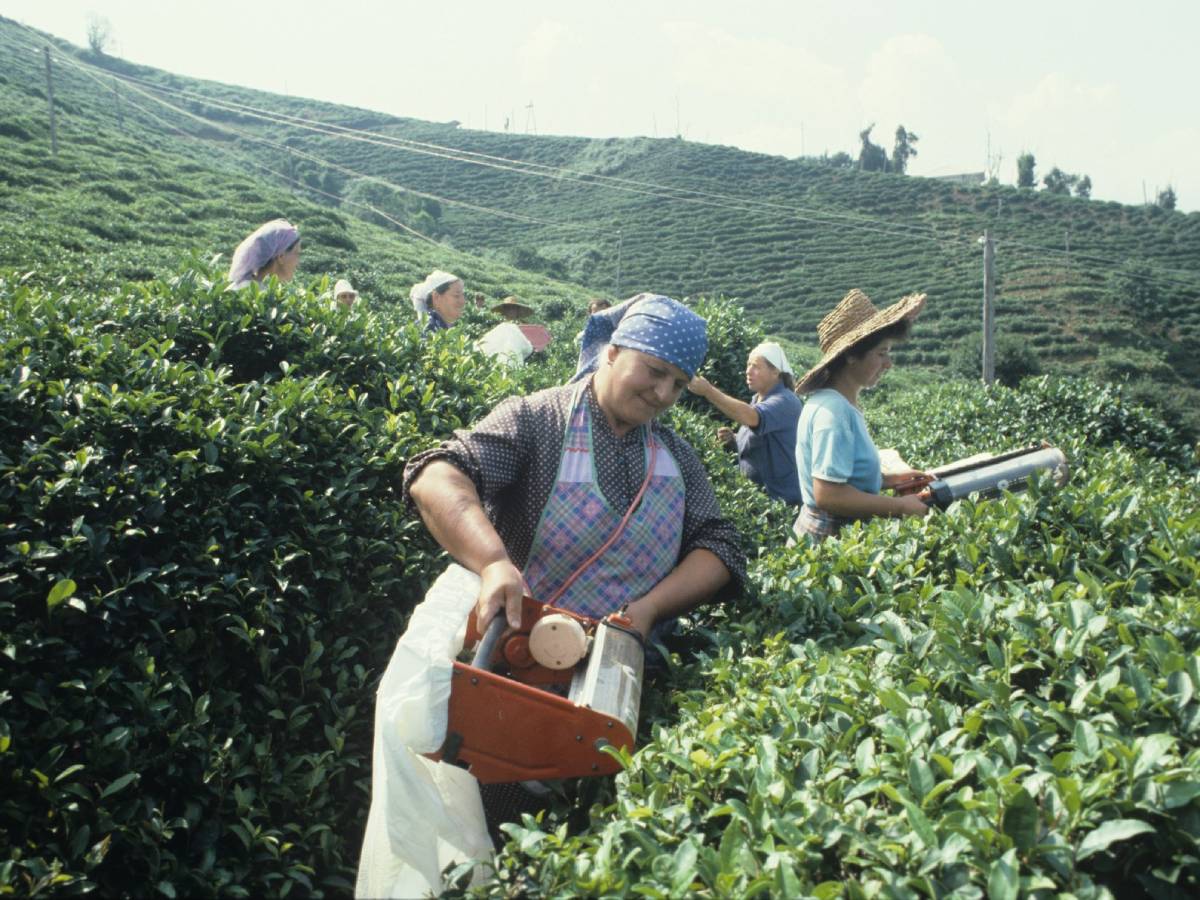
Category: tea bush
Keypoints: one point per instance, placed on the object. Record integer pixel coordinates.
(206, 563)
(998, 701)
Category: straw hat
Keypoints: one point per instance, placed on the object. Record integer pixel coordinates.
(344, 287)
(852, 320)
(514, 307)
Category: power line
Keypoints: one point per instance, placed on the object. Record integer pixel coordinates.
(334, 166)
(735, 204)
(541, 170)
(281, 175)
(519, 167)
(527, 167)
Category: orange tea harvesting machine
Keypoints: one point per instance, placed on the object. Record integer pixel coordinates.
(544, 700)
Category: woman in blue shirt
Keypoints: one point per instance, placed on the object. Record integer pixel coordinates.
(838, 464)
(766, 440)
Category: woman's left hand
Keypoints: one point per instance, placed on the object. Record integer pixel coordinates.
(893, 478)
(700, 385)
(642, 617)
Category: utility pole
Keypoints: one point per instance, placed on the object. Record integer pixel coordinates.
(117, 98)
(989, 298)
(50, 96)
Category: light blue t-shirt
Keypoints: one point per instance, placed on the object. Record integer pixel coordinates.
(832, 444)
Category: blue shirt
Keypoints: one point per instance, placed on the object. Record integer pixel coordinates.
(832, 444)
(767, 452)
(435, 323)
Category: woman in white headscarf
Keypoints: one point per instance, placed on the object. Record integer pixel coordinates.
(272, 249)
(766, 440)
(439, 300)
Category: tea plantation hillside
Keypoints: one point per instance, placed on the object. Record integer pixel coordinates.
(1086, 286)
(124, 202)
(205, 562)
(206, 565)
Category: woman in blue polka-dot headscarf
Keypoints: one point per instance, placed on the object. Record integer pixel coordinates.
(538, 466)
(578, 497)
(651, 323)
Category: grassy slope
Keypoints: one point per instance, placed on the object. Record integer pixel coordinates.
(828, 229)
(130, 204)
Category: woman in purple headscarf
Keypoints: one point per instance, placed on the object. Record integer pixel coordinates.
(273, 249)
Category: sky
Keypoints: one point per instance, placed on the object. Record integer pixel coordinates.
(1102, 90)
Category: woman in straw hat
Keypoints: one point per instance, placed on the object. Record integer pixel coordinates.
(512, 310)
(840, 475)
(766, 440)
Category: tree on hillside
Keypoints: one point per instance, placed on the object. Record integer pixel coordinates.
(1136, 289)
(872, 157)
(903, 149)
(99, 33)
(1025, 168)
(1083, 187)
(1059, 182)
(839, 160)
(415, 212)
(1014, 358)
(1166, 198)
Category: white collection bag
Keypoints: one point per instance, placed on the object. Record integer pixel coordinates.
(506, 343)
(424, 815)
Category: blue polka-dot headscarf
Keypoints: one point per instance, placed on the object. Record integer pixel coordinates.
(652, 323)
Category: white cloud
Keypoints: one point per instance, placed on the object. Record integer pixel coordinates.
(543, 52)
(908, 75)
(1056, 99)
(755, 92)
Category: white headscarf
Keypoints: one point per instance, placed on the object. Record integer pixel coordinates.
(420, 293)
(772, 353)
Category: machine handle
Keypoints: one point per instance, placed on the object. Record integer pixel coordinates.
(487, 644)
(912, 485)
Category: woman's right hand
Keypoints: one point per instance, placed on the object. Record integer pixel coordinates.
(501, 588)
(700, 386)
(911, 505)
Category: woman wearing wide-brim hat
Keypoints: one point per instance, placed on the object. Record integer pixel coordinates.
(838, 463)
(513, 309)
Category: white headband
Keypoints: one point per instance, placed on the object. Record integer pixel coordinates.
(772, 353)
(420, 293)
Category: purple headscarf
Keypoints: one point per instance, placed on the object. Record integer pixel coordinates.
(266, 243)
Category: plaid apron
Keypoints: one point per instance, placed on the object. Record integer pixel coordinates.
(577, 520)
(816, 524)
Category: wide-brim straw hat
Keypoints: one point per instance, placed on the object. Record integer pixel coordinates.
(513, 305)
(853, 319)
